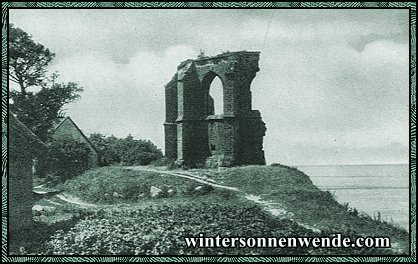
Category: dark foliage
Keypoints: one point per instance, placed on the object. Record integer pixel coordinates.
(161, 229)
(38, 111)
(28, 60)
(127, 151)
(27, 68)
(66, 159)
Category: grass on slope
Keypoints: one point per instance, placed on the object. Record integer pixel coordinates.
(110, 185)
(131, 223)
(159, 226)
(295, 191)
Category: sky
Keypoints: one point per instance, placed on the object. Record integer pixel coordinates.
(332, 86)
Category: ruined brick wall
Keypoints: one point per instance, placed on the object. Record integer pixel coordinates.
(235, 135)
(192, 136)
(170, 127)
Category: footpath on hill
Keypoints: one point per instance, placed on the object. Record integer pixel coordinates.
(285, 193)
(273, 207)
(315, 218)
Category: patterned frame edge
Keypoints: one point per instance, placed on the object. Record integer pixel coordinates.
(409, 5)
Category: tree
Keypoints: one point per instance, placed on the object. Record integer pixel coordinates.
(107, 149)
(28, 60)
(39, 111)
(28, 68)
(127, 151)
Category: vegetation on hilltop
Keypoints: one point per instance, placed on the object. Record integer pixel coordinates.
(160, 229)
(132, 223)
(112, 185)
(126, 151)
(296, 193)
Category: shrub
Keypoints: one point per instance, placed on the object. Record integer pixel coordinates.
(65, 159)
(106, 148)
(160, 230)
(127, 151)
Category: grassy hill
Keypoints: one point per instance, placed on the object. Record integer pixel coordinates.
(127, 220)
(295, 192)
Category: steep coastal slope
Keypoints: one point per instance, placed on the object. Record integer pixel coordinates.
(145, 210)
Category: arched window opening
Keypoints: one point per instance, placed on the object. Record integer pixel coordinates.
(217, 94)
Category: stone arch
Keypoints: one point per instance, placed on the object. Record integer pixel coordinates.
(193, 134)
(213, 87)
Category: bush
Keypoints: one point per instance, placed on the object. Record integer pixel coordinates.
(160, 230)
(127, 151)
(65, 159)
(106, 148)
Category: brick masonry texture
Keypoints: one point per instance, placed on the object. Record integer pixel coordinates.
(193, 134)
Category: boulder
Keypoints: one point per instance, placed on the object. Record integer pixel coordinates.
(202, 189)
(37, 208)
(171, 192)
(155, 192)
(43, 208)
(198, 188)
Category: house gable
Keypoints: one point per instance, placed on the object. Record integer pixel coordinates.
(68, 130)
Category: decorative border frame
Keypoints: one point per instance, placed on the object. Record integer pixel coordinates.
(411, 6)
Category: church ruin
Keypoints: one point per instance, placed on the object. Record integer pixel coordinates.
(193, 133)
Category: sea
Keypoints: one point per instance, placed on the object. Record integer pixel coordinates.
(372, 189)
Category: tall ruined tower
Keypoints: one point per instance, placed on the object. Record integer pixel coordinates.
(193, 134)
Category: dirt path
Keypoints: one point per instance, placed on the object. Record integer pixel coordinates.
(274, 208)
(74, 200)
(60, 199)
(186, 175)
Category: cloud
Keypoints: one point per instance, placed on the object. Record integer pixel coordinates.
(323, 94)
(121, 98)
(329, 81)
(148, 68)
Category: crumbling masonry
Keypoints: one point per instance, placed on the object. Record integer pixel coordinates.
(193, 134)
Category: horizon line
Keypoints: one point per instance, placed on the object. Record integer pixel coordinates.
(357, 164)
